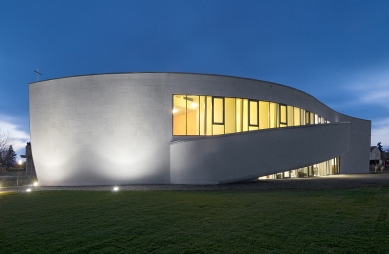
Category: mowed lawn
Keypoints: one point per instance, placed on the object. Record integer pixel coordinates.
(330, 221)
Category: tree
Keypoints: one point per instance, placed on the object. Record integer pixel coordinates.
(5, 139)
(379, 146)
(10, 158)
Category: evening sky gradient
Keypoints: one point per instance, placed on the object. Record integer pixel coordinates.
(337, 51)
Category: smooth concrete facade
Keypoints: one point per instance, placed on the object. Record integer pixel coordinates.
(240, 156)
(113, 129)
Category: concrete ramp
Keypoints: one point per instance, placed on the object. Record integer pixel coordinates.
(247, 155)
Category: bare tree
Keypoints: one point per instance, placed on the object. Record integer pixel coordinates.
(5, 140)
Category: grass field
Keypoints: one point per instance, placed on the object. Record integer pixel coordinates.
(335, 221)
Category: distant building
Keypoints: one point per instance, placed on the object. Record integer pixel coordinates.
(29, 164)
(375, 154)
(376, 157)
(181, 128)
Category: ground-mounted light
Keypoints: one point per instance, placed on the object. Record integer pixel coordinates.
(35, 184)
(28, 190)
(115, 188)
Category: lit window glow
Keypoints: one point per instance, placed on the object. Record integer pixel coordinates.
(215, 115)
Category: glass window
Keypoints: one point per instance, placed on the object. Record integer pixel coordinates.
(217, 129)
(212, 115)
(230, 115)
(192, 115)
(311, 118)
(263, 114)
(283, 115)
(202, 113)
(290, 116)
(307, 117)
(297, 118)
(245, 115)
(239, 112)
(273, 115)
(253, 113)
(302, 115)
(179, 114)
(218, 110)
(208, 115)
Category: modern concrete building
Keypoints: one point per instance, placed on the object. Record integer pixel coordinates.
(181, 128)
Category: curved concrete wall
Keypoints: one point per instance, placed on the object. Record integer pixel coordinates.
(247, 155)
(117, 128)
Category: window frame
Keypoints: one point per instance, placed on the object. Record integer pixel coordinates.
(249, 113)
(213, 110)
(286, 112)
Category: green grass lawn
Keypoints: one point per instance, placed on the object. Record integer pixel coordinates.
(335, 221)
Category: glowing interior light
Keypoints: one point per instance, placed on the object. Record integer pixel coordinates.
(28, 190)
(35, 184)
(174, 111)
(194, 105)
(115, 188)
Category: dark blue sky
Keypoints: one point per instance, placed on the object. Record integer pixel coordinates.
(338, 51)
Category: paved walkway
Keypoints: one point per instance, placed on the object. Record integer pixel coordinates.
(314, 183)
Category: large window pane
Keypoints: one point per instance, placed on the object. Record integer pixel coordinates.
(179, 114)
(230, 115)
(312, 118)
(273, 115)
(290, 116)
(239, 113)
(307, 117)
(192, 115)
(218, 129)
(253, 113)
(208, 115)
(263, 114)
(296, 115)
(202, 115)
(245, 115)
(218, 110)
(283, 115)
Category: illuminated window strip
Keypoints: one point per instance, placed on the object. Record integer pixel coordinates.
(307, 117)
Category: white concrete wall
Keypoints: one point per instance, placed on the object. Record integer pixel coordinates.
(117, 128)
(247, 155)
(100, 129)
